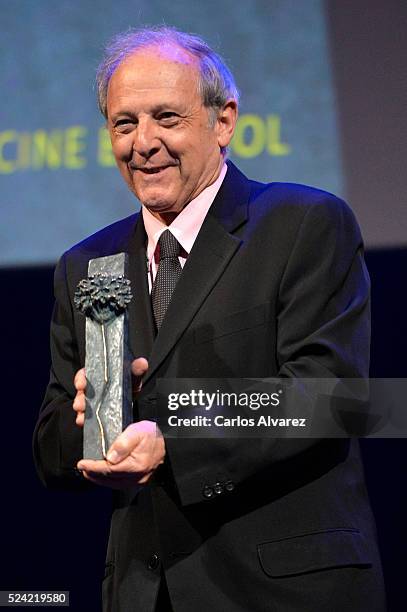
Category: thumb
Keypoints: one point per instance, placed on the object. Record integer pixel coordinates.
(129, 439)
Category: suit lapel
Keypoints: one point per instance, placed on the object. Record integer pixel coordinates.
(212, 252)
(141, 322)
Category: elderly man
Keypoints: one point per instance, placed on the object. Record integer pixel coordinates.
(267, 280)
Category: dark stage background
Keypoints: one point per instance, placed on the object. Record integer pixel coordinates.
(56, 540)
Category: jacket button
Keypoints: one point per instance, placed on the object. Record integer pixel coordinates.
(229, 486)
(218, 488)
(154, 562)
(207, 492)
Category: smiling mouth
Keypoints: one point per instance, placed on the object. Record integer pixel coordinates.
(150, 170)
(153, 170)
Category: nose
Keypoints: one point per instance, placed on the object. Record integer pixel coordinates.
(145, 140)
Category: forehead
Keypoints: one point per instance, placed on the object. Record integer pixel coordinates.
(162, 69)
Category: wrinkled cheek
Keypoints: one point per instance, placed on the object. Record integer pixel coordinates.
(124, 171)
(126, 175)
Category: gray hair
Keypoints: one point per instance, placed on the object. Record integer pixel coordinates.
(216, 84)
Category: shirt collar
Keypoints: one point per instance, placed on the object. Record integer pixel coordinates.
(187, 224)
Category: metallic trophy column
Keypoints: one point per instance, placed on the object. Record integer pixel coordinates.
(103, 298)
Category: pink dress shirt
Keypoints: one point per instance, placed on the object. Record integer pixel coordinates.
(185, 226)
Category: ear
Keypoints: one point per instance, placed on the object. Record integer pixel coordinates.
(226, 122)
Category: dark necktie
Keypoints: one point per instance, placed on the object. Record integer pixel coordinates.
(168, 272)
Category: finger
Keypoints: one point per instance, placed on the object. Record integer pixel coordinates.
(80, 380)
(139, 367)
(101, 469)
(79, 403)
(80, 419)
(97, 467)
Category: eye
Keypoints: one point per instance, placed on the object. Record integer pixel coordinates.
(168, 117)
(123, 125)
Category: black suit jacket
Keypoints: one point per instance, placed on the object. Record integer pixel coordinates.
(275, 285)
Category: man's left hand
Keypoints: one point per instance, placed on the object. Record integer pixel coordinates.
(131, 460)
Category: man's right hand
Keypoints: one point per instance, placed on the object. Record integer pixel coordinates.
(138, 368)
(79, 403)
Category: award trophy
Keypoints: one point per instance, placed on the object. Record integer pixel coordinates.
(103, 298)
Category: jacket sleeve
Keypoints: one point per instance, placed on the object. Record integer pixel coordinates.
(57, 440)
(323, 331)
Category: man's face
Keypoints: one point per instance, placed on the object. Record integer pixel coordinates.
(162, 141)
